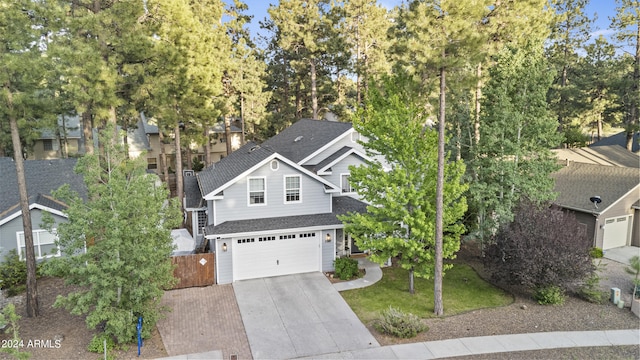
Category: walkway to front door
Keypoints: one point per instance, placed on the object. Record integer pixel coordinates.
(298, 315)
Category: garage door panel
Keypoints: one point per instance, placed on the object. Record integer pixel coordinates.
(616, 232)
(275, 256)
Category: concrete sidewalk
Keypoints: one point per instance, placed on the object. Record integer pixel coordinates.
(493, 344)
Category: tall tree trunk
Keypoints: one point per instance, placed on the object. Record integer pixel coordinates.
(179, 184)
(207, 147)
(33, 309)
(437, 279)
(633, 111)
(87, 130)
(412, 289)
(314, 89)
(242, 119)
(478, 95)
(164, 166)
(227, 134)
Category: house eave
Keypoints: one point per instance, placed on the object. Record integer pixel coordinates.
(276, 231)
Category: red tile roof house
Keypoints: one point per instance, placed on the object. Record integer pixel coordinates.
(271, 209)
(613, 220)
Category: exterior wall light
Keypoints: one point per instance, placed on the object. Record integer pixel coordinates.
(224, 247)
(328, 238)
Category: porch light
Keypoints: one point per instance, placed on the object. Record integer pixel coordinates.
(224, 247)
(328, 238)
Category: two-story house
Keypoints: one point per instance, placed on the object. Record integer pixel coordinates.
(271, 209)
(42, 177)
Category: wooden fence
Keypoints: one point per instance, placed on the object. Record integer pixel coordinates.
(194, 270)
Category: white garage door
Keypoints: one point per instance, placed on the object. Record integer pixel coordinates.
(274, 255)
(615, 232)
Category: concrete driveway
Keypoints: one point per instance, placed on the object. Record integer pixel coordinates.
(298, 315)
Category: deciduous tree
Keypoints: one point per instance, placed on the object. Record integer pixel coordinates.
(400, 222)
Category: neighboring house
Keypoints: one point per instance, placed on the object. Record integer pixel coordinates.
(218, 146)
(612, 155)
(42, 177)
(68, 141)
(271, 209)
(621, 140)
(615, 220)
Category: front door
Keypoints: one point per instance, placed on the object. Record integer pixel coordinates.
(354, 247)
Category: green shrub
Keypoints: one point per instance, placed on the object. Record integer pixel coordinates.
(591, 292)
(13, 274)
(96, 345)
(346, 268)
(596, 253)
(549, 295)
(400, 324)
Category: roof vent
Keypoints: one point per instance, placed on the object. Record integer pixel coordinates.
(298, 138)
(253, 148)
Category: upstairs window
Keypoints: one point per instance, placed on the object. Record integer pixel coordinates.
(346, 186)
(257, 191)
(292, 189)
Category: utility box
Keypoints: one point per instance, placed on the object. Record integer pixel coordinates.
(615, 295)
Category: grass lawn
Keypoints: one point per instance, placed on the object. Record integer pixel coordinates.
(463, 290)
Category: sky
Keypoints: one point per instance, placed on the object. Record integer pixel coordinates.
(603, 8)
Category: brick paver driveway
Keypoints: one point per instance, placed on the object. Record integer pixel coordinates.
(203, 319)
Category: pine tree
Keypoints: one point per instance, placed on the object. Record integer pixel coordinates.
(117, 244)
(627, 25)
(400, 222)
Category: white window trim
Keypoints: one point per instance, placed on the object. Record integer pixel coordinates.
(355, 136)
(277, 165)
(285, 189)
(264, 179)
(36, 244)
(350, 187)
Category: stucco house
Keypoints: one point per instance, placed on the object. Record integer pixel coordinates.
(42, 177)
(271, 209)
(606, 199)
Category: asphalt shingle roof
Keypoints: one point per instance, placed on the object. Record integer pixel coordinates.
(225, 170)
(341, 205)
(192, 192)
(612, 155)
(42, 176)
(311, 135)
(578, 182)
(621, 140)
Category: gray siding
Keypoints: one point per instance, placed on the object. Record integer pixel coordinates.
(341, 168)
(8, 237)
(346, 141)
(328, 250)
(224, 261)
(235, 206)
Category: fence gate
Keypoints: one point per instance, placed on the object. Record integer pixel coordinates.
(194, 270)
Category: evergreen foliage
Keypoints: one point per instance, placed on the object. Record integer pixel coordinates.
(117, 245)
(400, 183)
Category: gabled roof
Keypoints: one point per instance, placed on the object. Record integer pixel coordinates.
(341, 206)
(336, 157)
(306, 137)
(42, 176)
(232, 166)
(71, 126)
(578, 182)
(612, 155)
(240, 163)
(621, 140)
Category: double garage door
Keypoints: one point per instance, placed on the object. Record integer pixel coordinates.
(274, 255)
